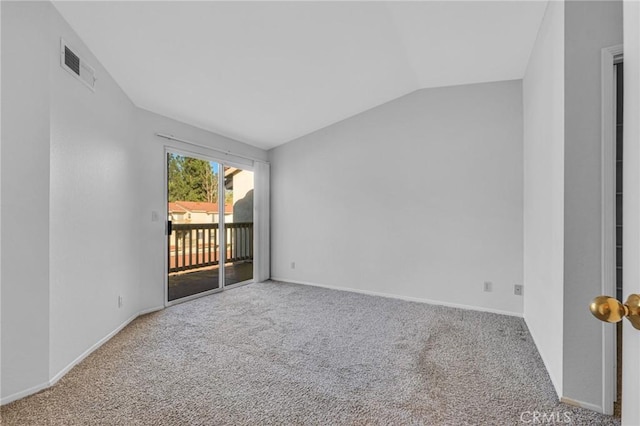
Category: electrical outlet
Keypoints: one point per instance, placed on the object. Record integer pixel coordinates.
(119, 301)
(518, 289)
(488, 286)
(293, 265)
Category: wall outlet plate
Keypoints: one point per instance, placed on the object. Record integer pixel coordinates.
(518, 289)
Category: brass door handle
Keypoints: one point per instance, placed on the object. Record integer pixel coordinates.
(608, 309)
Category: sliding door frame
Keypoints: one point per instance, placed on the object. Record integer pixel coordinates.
(201, 153)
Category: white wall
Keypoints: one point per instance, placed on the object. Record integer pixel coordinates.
(562, 192)
(25, 197)
(589, 26)
(84, 171)
(94, 238)
(420, 197)
(543, 99)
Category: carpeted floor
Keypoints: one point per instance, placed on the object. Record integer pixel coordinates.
(275, 353)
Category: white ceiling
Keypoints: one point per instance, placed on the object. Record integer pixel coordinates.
(268, 72)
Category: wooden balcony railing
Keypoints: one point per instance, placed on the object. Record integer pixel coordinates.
(196, 245)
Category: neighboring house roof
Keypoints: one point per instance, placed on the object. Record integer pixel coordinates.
(176, 208)
(197, 207)
(229, 173)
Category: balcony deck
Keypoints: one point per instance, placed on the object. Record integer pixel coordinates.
(191, 282)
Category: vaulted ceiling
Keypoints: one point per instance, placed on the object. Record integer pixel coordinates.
(268, 72)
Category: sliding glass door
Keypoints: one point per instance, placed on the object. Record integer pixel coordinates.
(238, 187)
(209, 228)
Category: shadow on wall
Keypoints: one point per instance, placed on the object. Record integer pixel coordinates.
(243, 208)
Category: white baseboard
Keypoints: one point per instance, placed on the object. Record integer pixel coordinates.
(401, 297)
(581, 404)
(150, 310)
(101, 342)
(19, 395)
(24, 393)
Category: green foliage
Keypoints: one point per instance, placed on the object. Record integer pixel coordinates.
(191, 179)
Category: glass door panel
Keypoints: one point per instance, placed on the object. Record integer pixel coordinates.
(238, 225)
(194, 254)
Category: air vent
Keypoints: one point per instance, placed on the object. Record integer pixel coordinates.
(71, 60)
(76, 66)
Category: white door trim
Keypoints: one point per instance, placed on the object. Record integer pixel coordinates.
(631, 208)
(608, 179)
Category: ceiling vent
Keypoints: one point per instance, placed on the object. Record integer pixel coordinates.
(76, 66)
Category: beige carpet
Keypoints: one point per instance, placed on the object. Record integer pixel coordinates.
(285, 354)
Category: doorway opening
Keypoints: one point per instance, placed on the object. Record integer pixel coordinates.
(612, 220)
(618, 77)
(209, 227)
